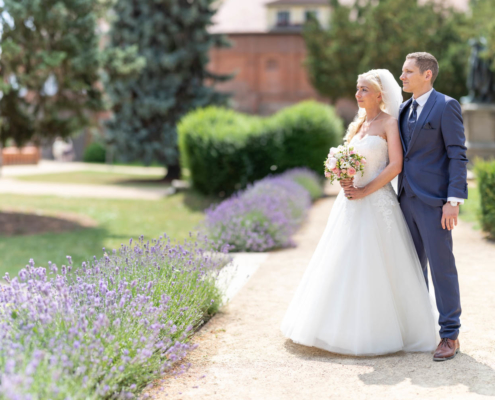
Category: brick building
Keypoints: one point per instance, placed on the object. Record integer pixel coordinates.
(268, 52)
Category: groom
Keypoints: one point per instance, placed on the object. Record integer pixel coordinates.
(431, 186)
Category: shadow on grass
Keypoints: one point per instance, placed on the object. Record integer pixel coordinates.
(417, 368)
(17, 223)
(196, 201)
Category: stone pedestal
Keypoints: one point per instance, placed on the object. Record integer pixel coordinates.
(479, 124)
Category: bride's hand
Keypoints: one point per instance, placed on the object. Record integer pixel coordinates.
(346, 183)
(355, 193)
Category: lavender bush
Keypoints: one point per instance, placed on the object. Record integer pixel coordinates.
(308, 179)
(106, 329)
(262, 217)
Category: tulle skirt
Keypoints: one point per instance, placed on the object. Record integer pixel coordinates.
(363, 292)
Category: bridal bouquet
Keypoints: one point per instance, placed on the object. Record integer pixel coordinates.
(343, 162)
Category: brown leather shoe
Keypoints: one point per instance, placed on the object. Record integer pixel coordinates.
(446, 350)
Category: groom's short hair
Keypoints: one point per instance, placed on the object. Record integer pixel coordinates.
(425, 61)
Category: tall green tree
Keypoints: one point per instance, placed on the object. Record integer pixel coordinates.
(49, 67)
(171, 38)
(379, 34)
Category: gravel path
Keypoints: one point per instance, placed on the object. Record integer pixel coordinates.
(12, 186)
(53, 167)
(243, 355)
(9, 185)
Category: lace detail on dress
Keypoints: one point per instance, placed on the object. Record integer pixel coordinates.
(375, 150)
(385, 199)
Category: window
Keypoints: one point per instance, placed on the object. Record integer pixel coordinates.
(308, 13)
(283, 18)
(272, 64)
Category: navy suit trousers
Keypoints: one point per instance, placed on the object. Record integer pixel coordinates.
(434, 244)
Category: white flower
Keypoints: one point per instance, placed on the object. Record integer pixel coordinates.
(345, 165)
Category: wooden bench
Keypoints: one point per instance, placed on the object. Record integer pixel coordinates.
(24, 155)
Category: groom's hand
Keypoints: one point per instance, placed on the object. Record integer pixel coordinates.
(449, 217)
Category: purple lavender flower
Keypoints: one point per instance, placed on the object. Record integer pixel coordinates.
(91, 328)
(262, 217)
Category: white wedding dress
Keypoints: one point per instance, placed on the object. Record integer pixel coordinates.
(363, 292)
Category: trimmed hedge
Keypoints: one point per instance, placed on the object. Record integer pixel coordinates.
(485, 177)
(225, 150)
(95, 153)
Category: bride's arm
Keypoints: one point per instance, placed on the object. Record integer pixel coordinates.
(391, 171)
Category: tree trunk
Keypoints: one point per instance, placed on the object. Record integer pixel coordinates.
(173, 172)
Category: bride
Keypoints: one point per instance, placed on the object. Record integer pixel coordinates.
(364, 292)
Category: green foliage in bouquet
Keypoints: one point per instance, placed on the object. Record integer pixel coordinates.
(225, 150)
(485, 178)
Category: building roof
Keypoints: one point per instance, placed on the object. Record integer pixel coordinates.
(240, 16)
(250, 16)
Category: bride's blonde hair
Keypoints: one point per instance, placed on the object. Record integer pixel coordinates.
(373, 78)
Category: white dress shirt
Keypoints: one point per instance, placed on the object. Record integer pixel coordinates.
(421, 103)
(421, 100)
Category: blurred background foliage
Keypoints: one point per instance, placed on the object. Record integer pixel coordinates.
(379, 34)
(49, 67)
(171, 44)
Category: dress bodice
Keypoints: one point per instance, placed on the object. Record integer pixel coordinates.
(375, 150)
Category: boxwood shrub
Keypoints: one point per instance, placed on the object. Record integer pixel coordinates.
(485, 177)
(225, 150)
(95, 153)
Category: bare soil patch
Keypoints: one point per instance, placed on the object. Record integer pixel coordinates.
(15, 223)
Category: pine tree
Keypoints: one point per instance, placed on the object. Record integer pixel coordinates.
(48, 67)
(171, 38)
(379, 34)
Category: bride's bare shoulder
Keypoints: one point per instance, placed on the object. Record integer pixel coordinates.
(388, 119)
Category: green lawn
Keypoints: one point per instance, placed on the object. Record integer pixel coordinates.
(95, 178)
(470, 209)
(118, 220)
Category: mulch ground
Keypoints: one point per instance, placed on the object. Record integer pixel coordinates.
(14, 223)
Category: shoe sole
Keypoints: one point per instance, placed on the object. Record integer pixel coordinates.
(446, 358)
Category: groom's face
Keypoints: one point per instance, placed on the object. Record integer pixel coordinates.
(412, 78)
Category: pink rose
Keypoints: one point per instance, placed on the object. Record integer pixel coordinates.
(336, 171)
(352, 152)
(343, 171)
(328, 174)
(358, 163)
(363, 161)
(351, 171)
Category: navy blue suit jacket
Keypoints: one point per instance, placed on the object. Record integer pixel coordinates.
(435, 162)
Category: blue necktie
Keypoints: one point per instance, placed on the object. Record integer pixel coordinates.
(411, 121)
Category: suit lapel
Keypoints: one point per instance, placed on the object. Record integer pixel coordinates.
(401, 116)
(422, 118)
